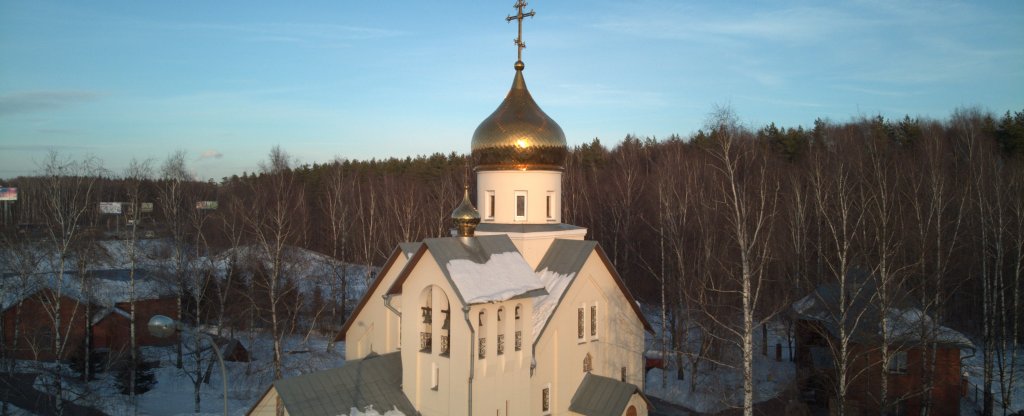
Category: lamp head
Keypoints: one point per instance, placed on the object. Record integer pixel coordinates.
(162, 327)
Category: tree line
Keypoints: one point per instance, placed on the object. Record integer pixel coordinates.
(722, 230)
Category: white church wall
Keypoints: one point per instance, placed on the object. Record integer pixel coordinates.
(433, 382)
(561, 351)
(536, 185)
(501, 382)
(376, 329)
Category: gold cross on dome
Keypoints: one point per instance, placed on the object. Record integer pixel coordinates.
(520, 4)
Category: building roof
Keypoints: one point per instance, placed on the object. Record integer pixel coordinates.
(603, 396)
(374, 381)
(105, 287)
(906, 324)
(558, 270)
(480, 269)
(489, 227)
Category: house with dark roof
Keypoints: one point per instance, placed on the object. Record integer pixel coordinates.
(912, 336)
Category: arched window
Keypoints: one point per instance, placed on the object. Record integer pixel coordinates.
(519, 327)
(481, 334)
(501, 331)
(588, 363)
(426, 329)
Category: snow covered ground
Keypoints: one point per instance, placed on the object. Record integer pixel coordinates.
(173, 392)
(719, 386)
(972, 404)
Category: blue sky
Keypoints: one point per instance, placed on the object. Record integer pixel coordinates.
(227, 80)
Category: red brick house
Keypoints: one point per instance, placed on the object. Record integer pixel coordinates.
(105, 302)
(911, 334)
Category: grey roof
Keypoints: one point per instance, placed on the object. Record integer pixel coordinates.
(374, 381)
(603, 396)
(409, 248)
(907, 325)
(566, 256)
(525, 228)
(477, 249)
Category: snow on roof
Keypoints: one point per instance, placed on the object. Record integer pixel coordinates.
(105, 287)
(544, 306)
(905, 324)
(501, 277)
(482, 269)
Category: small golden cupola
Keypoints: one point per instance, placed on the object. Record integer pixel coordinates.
(465, 216)
(519, 135)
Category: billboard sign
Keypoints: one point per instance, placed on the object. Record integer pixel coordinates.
(206, 204)
(146, 207)
(8, 194)
(110, 208)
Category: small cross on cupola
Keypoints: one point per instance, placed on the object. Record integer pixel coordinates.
(520, 4)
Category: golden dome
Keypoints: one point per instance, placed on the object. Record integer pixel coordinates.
(465, 216)
(518, 135)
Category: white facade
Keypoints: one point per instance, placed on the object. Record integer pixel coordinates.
(519, 197)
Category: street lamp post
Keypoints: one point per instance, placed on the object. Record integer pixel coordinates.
(162, 327)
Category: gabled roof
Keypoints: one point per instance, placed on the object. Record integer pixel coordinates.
(603, 396)
(400, 250)
(480, 269)
(105, 287)
(559, 269)
(373, 381)
(906, 324)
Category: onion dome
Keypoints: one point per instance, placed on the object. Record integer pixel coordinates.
(518, 135)
(465, 216)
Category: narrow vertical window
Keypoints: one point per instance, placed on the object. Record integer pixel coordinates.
(623, 374)
(435, 376)
(490, 205)
(548, 205)
(519, 328)
(579, 324)
(481, 338)
(545, 400)
(520, 206)
(593, 322)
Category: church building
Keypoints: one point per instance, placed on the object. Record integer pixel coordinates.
(515, 314)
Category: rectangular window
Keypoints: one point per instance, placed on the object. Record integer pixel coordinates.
(501, 344)
(593, 322)
(550, 208)
(898, 363)
(520, 205)
(435, 376)
(490, 205)
(519, 340)
(623, 374)
(483, 348)
(545, 400)
(579, 324)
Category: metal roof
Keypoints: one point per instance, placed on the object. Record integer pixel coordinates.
(374, 381)
(603, 396)
(409, 248)
(524, 228)
(566, 256)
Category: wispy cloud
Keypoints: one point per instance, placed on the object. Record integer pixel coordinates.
(601, 94)
(791, 24)
(210, 154)
(34, 101)
(314, 33)
(44, 147)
